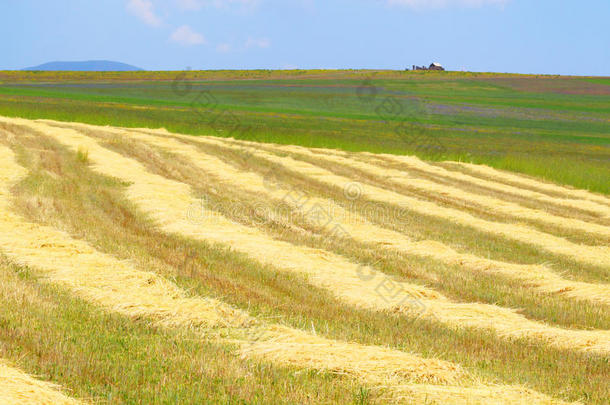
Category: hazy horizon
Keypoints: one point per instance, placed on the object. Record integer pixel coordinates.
(504, 36)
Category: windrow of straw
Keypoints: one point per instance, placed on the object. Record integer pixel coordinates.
(115, 285)
(413, 162)
(512, 178)
(360, 229)
(492, 204)
(95, 276)
(574, 198)
(167, 202)
(437, 394)
(334, 357)
(121, 288)
(590, 255)
(418, 164)
(18, 388)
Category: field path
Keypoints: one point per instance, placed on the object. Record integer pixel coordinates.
(168, 202)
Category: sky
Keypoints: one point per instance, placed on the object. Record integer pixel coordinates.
(519, 36)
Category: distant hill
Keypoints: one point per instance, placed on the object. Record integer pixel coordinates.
(89, 65)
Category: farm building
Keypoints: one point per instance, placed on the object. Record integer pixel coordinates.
(433, 66)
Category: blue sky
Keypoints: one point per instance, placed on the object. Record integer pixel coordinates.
(524, 36)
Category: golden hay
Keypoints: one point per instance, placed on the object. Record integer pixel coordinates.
(379, 366)
(121, 288)
(536, 276)
(95, 276)
(436, 381)
(416, 163)
(494, 205)
(167, 201)
(490, 395)
(126, 290)
(591, 255)
(18, 388)
(401, 377)
(504, 176)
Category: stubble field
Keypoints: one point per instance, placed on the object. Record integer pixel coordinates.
(140, 265)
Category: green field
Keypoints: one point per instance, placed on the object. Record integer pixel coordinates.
(556, 128)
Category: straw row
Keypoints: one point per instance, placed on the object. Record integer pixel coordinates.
(590, 255)
(492, 204)
(18, 388)
(438, 172)
(524, 181)
(360, 229)
(117, 286)
(333, 358)
(415, 163)
(418, 164)
(95, 276)
(167, 202)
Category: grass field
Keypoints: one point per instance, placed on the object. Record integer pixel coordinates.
(295, 251)
(552, 127)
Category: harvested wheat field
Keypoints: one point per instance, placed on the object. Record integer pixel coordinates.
(326, 270)
(287, 274)
(587, 254)
(207, 211)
